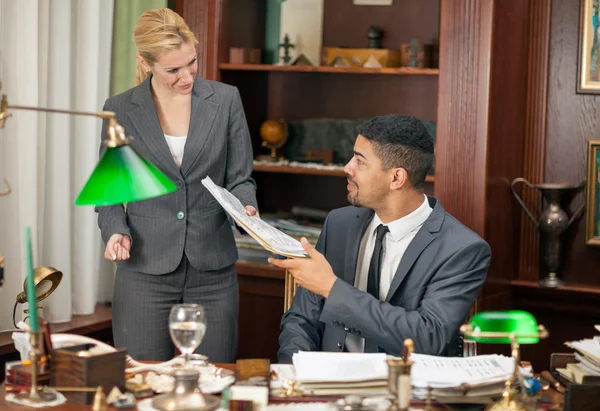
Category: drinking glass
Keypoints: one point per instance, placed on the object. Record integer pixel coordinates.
(187, 326)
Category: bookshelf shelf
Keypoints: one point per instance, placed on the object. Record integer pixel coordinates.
(309, 171)
(326, 69)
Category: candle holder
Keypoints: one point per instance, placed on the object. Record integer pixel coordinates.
(35, 394)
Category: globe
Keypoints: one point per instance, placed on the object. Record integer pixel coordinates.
(273, 133)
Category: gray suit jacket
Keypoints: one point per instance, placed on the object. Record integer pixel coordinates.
(218, 145)
(433, 289)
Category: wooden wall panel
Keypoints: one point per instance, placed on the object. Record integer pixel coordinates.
(535, 134)
(347, 24)
(480, 126)
(572, 119)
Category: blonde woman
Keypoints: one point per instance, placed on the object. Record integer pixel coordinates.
(177, 248)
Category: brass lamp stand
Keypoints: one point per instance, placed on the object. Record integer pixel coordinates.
(511, 400)
(35, 395)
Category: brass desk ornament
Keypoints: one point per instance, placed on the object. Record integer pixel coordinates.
(186, 394)
(399, 382)
(36, 394)
(553, 222)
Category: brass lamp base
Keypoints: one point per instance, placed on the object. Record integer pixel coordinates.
(509, 402)
(37, 396)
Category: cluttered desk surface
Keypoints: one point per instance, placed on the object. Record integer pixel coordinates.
(556, 404)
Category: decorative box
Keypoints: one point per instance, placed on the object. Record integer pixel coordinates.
(82, 370)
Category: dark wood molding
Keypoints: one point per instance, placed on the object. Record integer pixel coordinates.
(204, 18)
(534, 148)
(462, 109)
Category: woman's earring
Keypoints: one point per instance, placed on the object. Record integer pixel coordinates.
(147, 71)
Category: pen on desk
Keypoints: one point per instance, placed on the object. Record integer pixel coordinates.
(546, 375)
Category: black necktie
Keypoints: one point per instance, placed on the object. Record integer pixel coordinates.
(375, 276)
(375, 264)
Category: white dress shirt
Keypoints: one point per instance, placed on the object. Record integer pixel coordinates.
(395, 243)
(176, 147)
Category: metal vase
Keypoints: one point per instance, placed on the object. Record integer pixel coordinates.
(552, 223)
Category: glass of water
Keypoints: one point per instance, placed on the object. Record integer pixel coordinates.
(187, 326)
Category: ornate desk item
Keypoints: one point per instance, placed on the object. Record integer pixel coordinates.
(553, 222)
(399, 382)
(274, 134)
(186, 394)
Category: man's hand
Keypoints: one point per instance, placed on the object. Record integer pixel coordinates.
(314, 273)
(118, 247)
(250, 211)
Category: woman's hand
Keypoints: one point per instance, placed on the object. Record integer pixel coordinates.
(250, 211)
(118, 247)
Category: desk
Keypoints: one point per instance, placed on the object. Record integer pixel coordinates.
(4, 405)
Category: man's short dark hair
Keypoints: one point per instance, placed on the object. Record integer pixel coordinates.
(401, 142)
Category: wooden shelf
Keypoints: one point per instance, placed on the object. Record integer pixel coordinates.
(326, 69)
(309, 171)
(533, 285)
(253, 269)
(298, 170)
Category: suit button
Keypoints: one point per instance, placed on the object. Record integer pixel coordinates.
(339, 345)
(346, 329)
(179, 183)
(336, 323)
(180, 215)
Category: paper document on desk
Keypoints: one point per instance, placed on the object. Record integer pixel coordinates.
(268, 236)
(444, 372)
(327, 367)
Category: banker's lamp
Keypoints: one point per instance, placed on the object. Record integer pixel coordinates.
(45, 281)
(121, 176)
(512, 327)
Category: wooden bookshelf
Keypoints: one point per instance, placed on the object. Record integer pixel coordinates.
(309, 171)
(403, 71)
(253, 269)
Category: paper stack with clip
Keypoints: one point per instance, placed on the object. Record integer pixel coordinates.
(326, 373)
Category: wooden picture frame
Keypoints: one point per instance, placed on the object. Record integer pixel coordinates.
(588, 65)
(592, 220)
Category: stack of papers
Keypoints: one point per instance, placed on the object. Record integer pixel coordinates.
(324, 373)
(587, 354)
(267, 236)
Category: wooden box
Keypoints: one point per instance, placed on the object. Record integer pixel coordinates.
(72, 369)
(239, 55)
(358, 57)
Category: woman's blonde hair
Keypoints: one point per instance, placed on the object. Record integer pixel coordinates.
(156, 32)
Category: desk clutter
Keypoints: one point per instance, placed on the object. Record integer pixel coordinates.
(81, 370)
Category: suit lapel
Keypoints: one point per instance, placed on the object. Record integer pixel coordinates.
(415, 248)
(202, 118)
(423, 238)
(144, 119)
(355, 234)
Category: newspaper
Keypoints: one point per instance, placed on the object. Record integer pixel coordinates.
(268, 236)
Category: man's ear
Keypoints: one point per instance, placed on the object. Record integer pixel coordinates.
(399, 178)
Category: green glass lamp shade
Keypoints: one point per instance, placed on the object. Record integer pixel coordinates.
(520, 323)
(122, 176)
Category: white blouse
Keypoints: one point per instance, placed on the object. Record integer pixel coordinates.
(176, 147)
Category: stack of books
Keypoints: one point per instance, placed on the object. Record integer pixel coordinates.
(587, 366)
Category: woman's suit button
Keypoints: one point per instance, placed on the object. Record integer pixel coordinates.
(180, 215)
(339, 345)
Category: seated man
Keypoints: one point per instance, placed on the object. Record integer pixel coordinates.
(394, 265)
